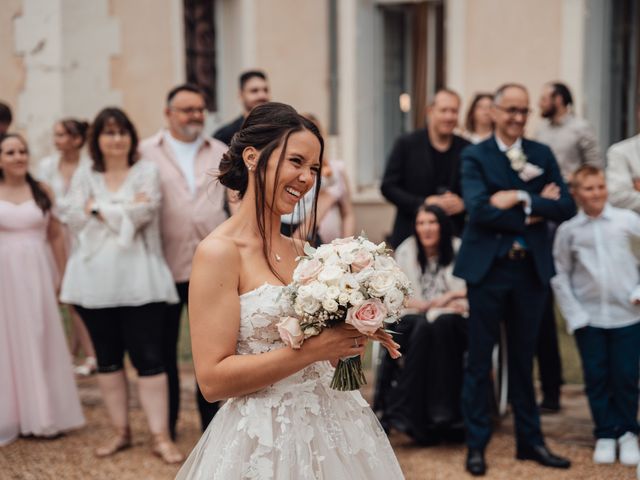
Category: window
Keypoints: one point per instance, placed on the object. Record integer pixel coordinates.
(200, 47)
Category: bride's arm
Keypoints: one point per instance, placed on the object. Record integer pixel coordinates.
(214, 317)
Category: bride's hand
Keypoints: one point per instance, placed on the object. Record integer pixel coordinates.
(387, 342)
(336, 342)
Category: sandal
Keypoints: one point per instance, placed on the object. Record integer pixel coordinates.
(88, 368)
(115, 444)
(164, 448)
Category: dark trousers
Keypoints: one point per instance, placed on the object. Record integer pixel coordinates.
(610, 363)
(172, 330)
(513, 294)
(548, 354)
(170, 353)
(135, 330)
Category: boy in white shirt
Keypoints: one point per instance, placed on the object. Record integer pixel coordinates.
(596, 288)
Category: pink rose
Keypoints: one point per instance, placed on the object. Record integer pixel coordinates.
(368, 317)
(290, 332)
(361, 259)
(307, 271)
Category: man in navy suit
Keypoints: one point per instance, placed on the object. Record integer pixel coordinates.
(511, 187)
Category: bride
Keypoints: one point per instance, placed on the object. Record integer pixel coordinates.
(281, 420)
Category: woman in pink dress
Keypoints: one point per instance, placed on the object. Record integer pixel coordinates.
(38, 395)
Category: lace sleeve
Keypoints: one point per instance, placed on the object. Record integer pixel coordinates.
(128, 218)
(79, 192)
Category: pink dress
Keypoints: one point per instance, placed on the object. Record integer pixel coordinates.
(38, 394)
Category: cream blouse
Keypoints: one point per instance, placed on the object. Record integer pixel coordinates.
(118, 260)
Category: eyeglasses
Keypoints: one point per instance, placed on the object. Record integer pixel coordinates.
(190, 110)
(513, 111)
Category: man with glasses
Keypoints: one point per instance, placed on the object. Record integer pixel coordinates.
(192, 206)
(511, 187)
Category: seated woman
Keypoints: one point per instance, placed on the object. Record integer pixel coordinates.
(420, 395)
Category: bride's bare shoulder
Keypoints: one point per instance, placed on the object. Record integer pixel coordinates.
(219, 248)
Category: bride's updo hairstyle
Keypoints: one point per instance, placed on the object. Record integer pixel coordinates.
(267, 127)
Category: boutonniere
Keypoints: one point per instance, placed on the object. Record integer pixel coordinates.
(526, 171)
(517, 158)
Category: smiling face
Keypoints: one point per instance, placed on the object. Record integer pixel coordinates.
(443, 113)
(590, 192)
(428, 230)
(287, 181)
(510, 113)
(185, 115)
(114, 140)
(14, 157)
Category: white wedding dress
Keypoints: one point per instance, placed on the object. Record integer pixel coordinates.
(296, 429)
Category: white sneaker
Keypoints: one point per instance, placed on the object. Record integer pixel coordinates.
(629, 450)
(605, 451)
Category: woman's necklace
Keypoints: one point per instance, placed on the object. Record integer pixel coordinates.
(277, 257)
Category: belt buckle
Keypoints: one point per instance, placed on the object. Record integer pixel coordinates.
(517, 252)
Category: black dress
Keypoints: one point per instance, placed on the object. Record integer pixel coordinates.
(420, 394)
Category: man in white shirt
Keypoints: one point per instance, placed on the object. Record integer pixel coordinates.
(192, 206)
(596, 287)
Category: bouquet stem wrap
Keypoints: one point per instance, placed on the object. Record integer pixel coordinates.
(348, 375)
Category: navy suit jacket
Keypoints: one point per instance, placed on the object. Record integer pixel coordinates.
(490, 231)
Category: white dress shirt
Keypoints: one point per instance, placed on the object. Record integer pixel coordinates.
(185, 153)
(596, 270)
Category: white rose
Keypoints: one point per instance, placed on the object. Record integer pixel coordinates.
(330, 305)
(318, 290)
(324, 251)
(343, 298)
(333, 259)
(343, 241)
(332, 292)
(304, 291)
(347, 257)
(381, 283)
(331, 274)
(308, 304)
(348, 283)
(383, 262)
(394, 300)
(363, 275)
(381, 247)
(311, 331)
(369, 245)
(356, 298)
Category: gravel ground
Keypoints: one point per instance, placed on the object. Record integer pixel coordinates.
(70, 457)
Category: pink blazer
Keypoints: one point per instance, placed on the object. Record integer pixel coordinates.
(185, 219)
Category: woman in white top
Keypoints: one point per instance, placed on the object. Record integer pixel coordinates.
(57, 170)
(117, 276)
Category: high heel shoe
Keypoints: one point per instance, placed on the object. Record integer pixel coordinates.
(164, 448)
(120, 441)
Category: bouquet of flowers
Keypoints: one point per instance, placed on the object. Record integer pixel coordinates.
(349, 280)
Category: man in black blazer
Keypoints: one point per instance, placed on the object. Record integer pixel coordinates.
(254, 91)
(424, 167)
(511, 187)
